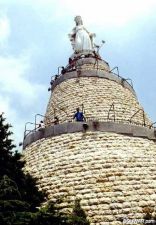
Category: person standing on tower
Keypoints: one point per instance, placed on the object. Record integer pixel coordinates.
(79, 116)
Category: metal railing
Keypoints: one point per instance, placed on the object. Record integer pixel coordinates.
(48, 118)
(151, 126)
(28, 130)
(107, 118)
(122, 79)
(111, 109)
(75, 67)
(117, 69)
(143, 114)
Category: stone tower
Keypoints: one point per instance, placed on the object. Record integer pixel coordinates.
(107, 161)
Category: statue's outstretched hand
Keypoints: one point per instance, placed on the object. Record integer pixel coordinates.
(92, 35)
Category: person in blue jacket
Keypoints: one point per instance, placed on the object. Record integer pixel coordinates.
(78, 116)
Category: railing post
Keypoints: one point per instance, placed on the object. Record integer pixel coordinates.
(144, 122)
(35, 121)
(110, 109)
(152, 125)
(144, 118)
(114, 112)
(116, 67)
(83, 108)
(26, 127)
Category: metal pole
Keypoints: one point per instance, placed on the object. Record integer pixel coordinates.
(144, 118)
(35, 121)
(26, 127)
(114, 112)
(116, 67)
(152, 125)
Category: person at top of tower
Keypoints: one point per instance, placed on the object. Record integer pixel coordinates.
(81, 39)
(79, 116)
(41, 125)
(56, 120)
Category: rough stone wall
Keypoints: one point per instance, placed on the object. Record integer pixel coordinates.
(95, 66)
(91, 63)
(97, 95)
(114, 175)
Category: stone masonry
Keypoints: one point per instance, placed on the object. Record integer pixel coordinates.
(96, 95)
(112, 173)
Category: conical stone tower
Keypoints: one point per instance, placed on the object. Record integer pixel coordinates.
(107, 161)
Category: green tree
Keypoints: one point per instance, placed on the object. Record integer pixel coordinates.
(12, 207)
(148, 217)
(19, 195)
(12, 165)
(26, 184)
(50, 215)
(6, 147)
(78, 216)
(20, 198)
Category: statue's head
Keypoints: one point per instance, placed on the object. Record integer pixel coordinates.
(78, 20)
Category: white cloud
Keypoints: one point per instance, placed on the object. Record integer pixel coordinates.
(13, 78)
(12, 117)
(104, 12)
(99, 12)
(17, 93)
(4, 30)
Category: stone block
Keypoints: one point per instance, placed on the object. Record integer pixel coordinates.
(49, 131)
(140, 132)
(60, 129)
(71, 164)
(123, 129)
(75, 127)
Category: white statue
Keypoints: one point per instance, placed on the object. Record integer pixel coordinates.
(81, 39)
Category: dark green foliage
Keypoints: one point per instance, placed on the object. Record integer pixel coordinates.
(78, 215)
(14, 211)
(8, 189)
(12, 165)
(49, 215)
(15, 218)
(19, 196)
(11, 204)
(10, 197)
(148, 217)
(6, 147)
(26, 184)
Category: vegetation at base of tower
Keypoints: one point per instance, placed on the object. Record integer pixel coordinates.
(12, 165)
(78, 216)
(149, 218)
(19, 197)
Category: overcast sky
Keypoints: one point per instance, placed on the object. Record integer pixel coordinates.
(34, 42)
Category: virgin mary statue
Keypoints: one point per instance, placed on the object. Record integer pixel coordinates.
(81, 39)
